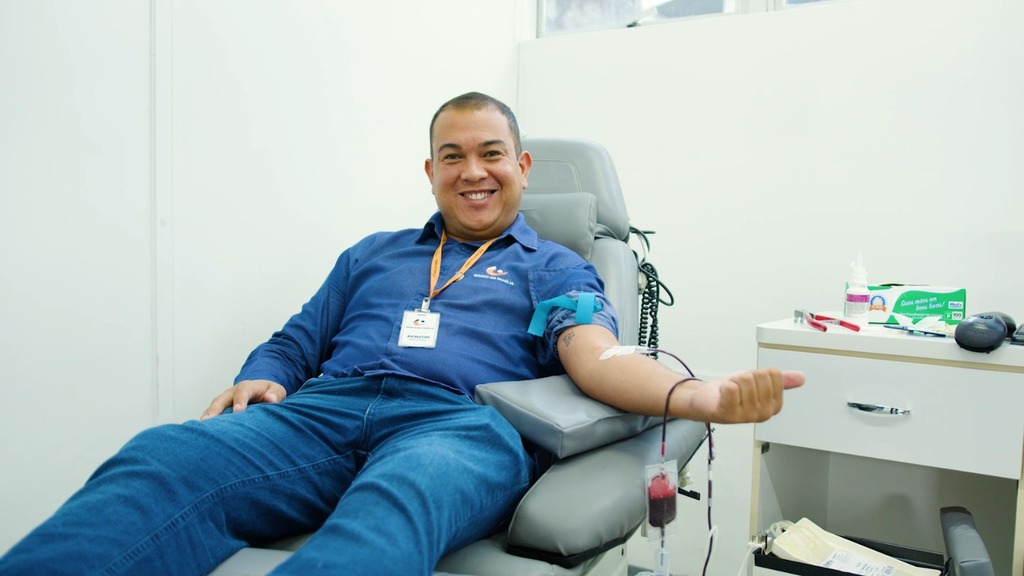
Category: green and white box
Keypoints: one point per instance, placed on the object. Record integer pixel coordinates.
(916, 302)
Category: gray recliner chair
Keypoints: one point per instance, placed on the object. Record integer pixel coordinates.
(580, 512)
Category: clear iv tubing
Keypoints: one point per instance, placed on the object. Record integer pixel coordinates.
(661, 558)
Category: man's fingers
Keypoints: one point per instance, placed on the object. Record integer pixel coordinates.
(768, 388)
(237, 398)
(754, 387)
(267, 392)
(219, 404)
(793, 379)
(240, 399)
(751, 396)
(241, 395)
(758, 395)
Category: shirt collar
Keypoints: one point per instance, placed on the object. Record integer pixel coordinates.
(519, 231)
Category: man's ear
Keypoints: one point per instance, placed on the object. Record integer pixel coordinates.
(428, 167)
(525, 162)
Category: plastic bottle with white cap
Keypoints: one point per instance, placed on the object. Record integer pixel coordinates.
(858, 297)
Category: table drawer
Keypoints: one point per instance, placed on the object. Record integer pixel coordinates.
(959, 418)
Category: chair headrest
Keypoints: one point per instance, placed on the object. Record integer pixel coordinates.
(572, 165)
(569, 219)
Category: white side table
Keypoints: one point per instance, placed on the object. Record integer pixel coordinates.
(889, 428)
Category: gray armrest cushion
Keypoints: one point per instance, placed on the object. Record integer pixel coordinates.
(588, 500)
(967, 553)
(555, 415)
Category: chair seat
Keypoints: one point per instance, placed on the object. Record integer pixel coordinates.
(251, 562)
(485, 557)
(488, 557)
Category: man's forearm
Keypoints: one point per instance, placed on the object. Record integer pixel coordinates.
(640, 384)
(635, 382)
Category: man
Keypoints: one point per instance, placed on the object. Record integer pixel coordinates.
(356, 419)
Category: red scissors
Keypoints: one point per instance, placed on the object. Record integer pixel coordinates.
(819, 322)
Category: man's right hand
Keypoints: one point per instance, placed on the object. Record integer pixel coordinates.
(244, 393)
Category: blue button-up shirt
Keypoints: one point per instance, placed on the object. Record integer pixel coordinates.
(350, 327)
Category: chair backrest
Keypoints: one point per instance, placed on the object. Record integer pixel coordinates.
(574, 198)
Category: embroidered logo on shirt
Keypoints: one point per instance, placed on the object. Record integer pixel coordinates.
(495, 273)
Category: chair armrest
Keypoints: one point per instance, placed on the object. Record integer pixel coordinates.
(964, 547)
(554, 414)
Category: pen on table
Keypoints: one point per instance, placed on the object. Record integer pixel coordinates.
(917, 331)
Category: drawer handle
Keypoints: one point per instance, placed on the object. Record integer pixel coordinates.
(878, 409)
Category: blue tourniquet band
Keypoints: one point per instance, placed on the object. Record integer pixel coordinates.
(585, 305)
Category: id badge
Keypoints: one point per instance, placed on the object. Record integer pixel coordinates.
(419, 329)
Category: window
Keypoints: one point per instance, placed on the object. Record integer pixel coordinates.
(557, 16)
(579, 15)
(561, 16)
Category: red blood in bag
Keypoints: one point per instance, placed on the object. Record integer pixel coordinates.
(661, 501)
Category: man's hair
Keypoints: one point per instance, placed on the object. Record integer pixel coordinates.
(479, 101)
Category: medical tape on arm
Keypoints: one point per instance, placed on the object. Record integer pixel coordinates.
(585, 304)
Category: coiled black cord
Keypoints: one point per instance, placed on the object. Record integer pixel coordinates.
(649, 301)
(650, 294)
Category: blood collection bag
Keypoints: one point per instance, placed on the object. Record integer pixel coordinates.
(662, 487)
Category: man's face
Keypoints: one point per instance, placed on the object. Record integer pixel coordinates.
(475, 176)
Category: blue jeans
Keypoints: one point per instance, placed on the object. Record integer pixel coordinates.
(392, 473)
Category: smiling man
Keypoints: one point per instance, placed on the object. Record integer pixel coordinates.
(477, 168)
(356, 419)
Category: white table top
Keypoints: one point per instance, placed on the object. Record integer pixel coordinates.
(873, 339)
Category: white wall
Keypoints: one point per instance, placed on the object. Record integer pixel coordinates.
(183, 207)
(768, 149)
(76, 349)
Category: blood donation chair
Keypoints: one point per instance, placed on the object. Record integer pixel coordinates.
(591, 496)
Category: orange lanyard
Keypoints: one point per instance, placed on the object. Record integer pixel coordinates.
(435, 267)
